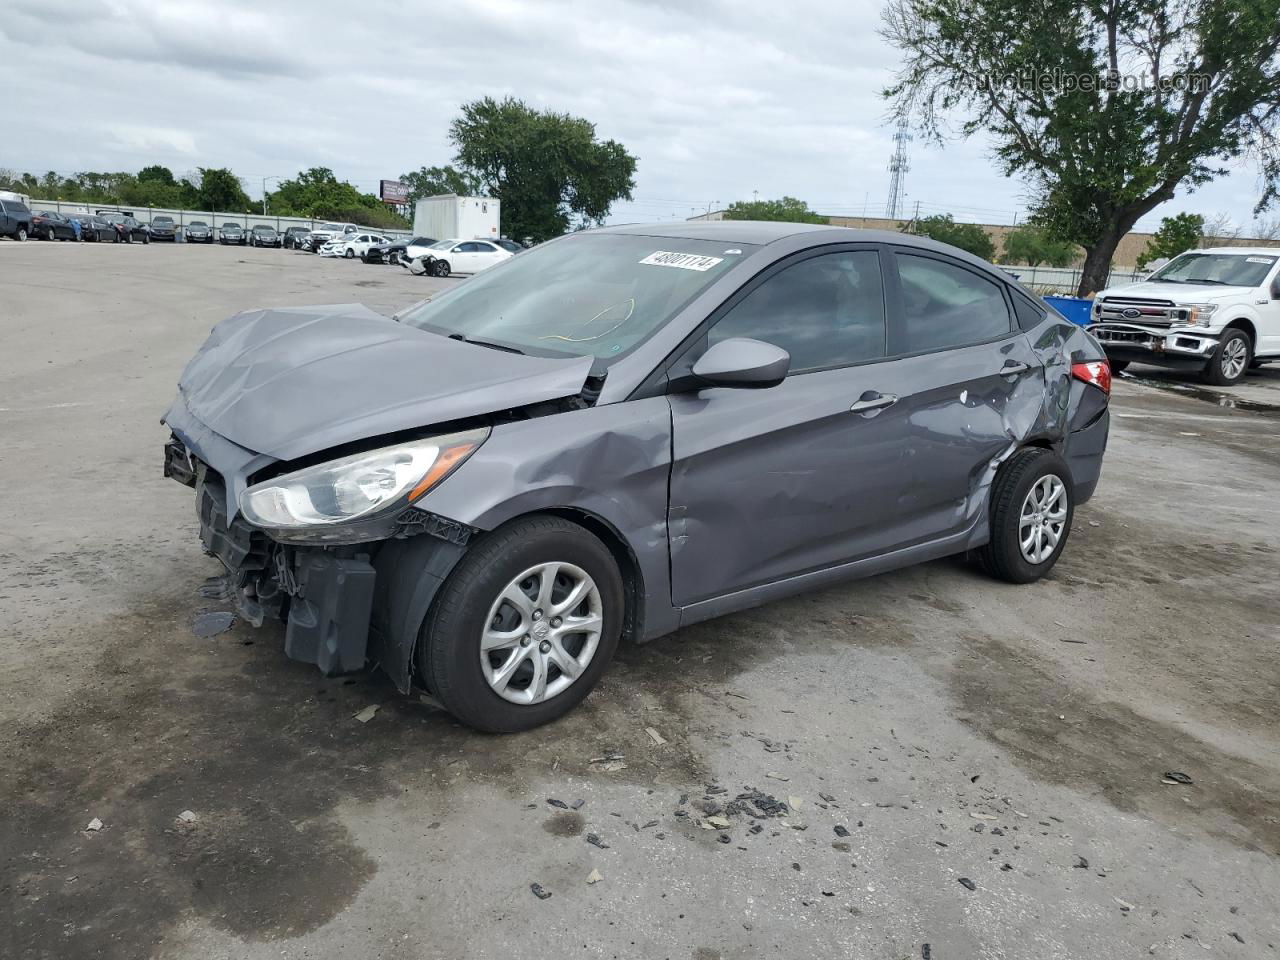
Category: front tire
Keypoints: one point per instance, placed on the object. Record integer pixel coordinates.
(442, 268)
(1230, 361)
(524, 626)
(349, 254)
(1032, 505)
(21, 235)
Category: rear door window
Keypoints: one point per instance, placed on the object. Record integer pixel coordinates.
(945, 305)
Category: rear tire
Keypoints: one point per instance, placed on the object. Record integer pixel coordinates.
(1118, 366)
(1230, 361)
(21, 235)
(1033, 491)
(470, 604)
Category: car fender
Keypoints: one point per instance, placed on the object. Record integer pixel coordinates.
(610, 462)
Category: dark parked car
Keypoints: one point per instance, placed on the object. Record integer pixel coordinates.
(96, 229)
(50, 225)
(294, 236)
(509, 245)
(393, 251)
(197, 231)
(264, 236)
(623, 432)
(15, 219)
(128, 229)
(231, 232)
(164, 228)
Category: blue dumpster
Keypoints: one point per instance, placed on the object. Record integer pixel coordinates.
(1073, 308)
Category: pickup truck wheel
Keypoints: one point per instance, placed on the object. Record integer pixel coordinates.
(524, 626)
(1032, 505)
(1231, 360)
(1118, 366)
(21, 235)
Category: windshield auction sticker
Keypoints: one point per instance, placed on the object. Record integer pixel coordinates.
(685, 261)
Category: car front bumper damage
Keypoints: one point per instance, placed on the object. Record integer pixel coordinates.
(1167, 347)
(344, 606)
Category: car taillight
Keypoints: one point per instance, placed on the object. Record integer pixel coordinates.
(1096, 372)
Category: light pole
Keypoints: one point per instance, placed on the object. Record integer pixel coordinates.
(264, 192)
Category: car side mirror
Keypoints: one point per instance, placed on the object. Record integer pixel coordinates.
(743, 362)
(456, 250)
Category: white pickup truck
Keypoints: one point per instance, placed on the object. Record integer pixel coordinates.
(1216, 311)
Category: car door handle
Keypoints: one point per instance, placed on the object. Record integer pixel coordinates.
(1013, 367)
(871, 400)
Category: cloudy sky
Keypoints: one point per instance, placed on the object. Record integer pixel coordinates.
(719, 99)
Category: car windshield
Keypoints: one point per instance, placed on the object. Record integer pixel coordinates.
(596, 295)
(330, 227)
(46, 213)
(231, 226)
(1229, 269)
(163, 221)
(264, 230)
(442, 245)
(197, 223)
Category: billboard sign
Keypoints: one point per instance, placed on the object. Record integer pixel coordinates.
(393, 191)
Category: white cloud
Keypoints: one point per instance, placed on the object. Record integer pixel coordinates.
(718, 99)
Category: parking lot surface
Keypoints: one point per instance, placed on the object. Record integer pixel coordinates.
(972, 766)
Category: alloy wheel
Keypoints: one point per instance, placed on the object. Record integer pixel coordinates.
(1042, 519)
(541, 633)
(1235, 354)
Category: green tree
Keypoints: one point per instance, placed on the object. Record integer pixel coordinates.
(433, 181)
(943, 228)
(318, 193)
(220, 189)
(545, 167)
(157, 174)
(1174, 236)
(787, 210)
(1033, 245)
(1105, 107)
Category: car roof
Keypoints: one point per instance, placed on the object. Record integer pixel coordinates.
(763, 232)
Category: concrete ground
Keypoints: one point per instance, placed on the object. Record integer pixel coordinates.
(976, 770)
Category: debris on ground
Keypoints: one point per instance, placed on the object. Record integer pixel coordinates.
(558, 804)
(539, 892)
(1124, 905)
(609, 763)
(777, 776)
(827, 797)
(841, 830)
(841, 846)
(1176, 777)
(795, 803)
(767, 805)
(213, 623)
(719, 823)
(95, 825)
(187, 816)
(967, 883)
(983, 816)
(658, 739)
(577, 804)
(1236, 937)
(1081, 863)
(926, 952)
(595, 841)
(594, 876)
(365, 715)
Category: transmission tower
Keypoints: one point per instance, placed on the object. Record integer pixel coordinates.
(898, 167)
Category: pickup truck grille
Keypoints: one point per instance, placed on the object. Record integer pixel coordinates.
(1138, 310)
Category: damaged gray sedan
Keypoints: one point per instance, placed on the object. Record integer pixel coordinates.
(623, 432)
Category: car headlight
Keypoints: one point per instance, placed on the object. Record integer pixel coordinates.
(1198, 314)
(354, 487)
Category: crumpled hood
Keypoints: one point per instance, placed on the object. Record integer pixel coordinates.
(1177, 292)
(287, 382)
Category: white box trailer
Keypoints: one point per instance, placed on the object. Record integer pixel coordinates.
(449, 217)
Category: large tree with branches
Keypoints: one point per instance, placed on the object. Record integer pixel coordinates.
(1104, 107)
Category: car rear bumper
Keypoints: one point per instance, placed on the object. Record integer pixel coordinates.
(1172, 348)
